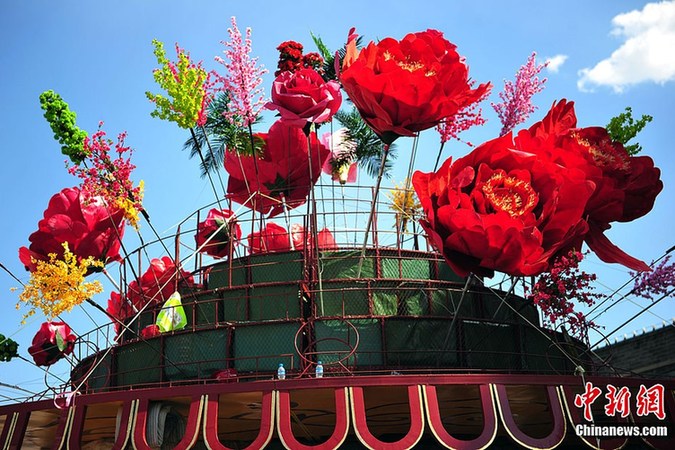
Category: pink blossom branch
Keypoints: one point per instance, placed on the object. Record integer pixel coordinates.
(516, 105)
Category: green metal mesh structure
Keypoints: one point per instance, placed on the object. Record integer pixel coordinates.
(261, 347)
(425, 343)
(190, 356)
(138, 363)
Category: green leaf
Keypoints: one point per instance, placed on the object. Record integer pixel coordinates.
(624, 127)
(60, 342)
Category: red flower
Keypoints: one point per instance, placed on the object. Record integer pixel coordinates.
(404, 87)
(272, 238)
(220, 227)
(304, 96)
(283, 170)
(150, 331)
(155, 286)
(325, 238)
(89, 227)
(625, 186)
(501, 209)
(53, 341)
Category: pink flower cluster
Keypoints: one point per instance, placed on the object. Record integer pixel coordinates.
(243, 78)
(658, 282)
(555, 290)
(465, 118)
(516, 98)
(109, 178)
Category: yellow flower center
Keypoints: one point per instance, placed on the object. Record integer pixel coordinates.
(511, 195)
(601, 157)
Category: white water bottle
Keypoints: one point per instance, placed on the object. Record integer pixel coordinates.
(319, 370)
(281, 372)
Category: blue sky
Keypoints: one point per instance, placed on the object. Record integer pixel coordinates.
(98, 56)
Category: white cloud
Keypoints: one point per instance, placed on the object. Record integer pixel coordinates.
(647, 55)
(555, 62)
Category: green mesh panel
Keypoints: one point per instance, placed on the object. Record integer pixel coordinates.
(276, 267)
(345, 265)
(263, 347)
(348, 298)
(369, 350)
(138, 363)
(195, 355)
(445, 272)
(274, 302)
(385, 299)
(146, 318)
(405, 268)
(413, 302)
(99, 378)
(235, 305)
(208, 310)
(420, 342)
(448, 302)
(219, 276)
(490, 346)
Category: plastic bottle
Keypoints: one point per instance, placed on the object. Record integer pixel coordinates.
(281, 372)
(319, 370)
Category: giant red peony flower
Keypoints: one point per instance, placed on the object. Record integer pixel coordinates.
(219, 229)
(271, 238)
(625, 186)
(301, 238)
(89, 227)
(155, 286)
(304, 96)
(402, 87)
(53, 341)
(501, 209)
(283, 170)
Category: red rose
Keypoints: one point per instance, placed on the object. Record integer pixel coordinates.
(219, 228)
(283, 170)
(304, 96)
(89, 227)
(155, 286)
(272, 238)
(625, 186)
(404, 87)
(501, 209)
(53, 341)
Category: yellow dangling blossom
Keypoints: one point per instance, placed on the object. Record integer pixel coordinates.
(405, 204)
(57, 285)
(130, 208)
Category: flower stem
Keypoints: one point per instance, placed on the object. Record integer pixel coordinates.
(385, 152)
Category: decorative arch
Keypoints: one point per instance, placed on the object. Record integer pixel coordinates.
(339, 432)
(436, 422)
(210, 428)
(366, 437)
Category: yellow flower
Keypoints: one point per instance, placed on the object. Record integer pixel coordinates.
(130, 208)
(57, 285)
(405, 204)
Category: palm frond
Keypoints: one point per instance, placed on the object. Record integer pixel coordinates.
(368, 145)
(220, 134)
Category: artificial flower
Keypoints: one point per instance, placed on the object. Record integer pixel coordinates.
(625, 186)
(57, 285)
(302, 239)
(402, 87)
(281, 176)
(90, 229)
(304, 96)
(501, 209)
(219, 229)
(271, 238)
(53, 341)
(340, 164)
(155, 286)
